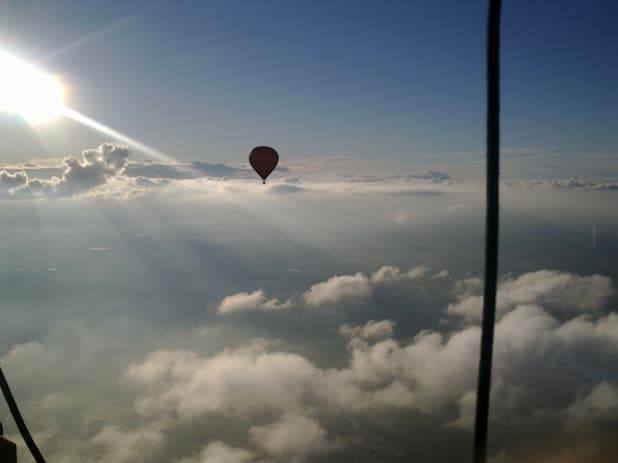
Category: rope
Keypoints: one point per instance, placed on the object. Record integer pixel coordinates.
(491, 230)
(19, 421)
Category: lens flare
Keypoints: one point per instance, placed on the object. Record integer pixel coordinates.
(39, 97)
(24, 90)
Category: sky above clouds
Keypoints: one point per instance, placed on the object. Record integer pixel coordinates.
(206, 81)
(174, 309)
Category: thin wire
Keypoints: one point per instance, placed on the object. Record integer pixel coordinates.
(19, 421)
(491, 230)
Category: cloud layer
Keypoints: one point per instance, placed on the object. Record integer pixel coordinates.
(553, 363)
(103, 166)
(558, 291)
(335, 290)
(261, 401)
(108, 172)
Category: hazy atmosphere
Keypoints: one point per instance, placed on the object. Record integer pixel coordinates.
(160, 304)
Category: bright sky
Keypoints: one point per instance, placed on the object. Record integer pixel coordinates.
(398, 80)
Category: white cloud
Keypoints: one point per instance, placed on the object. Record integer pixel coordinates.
(556, 291)
(107, 172)
(431, 373)
(584, 331)
(10, 181)
(441, 274)
(291, 438)
(338, 288)
(389, 274)
(128, 446)
(534, 353)
(218, 452)
(28, 359)
(285, 404)
(95, 168)
(245, 380)
(426, 373)
(244, 302)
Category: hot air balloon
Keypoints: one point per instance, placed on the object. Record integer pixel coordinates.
(263, 159)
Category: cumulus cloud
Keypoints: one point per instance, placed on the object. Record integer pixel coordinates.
(441, 274)
(242, 381)
(218, 452)
(10, 181)
(338, 288)
(125, 446)
(428, 373)
(95, 168)
(389, 274)
(244, 302)
(585, 332)
(291, 438)
(91, 171)
(425, 373)
(285, 403)
(359, 286)
(536, 354)
(108, 172)
(537, 374)
(335, 290)
(557, 291)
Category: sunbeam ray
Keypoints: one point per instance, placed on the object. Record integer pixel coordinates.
(85, 120)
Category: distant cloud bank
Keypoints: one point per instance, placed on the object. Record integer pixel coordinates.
(573, 183)
(108, 172)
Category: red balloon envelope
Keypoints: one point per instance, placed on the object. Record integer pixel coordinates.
(263, 159)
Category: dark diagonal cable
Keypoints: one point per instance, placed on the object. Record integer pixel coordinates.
(491, 230)
(19, 421)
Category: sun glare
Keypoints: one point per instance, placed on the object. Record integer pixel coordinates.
(29, 92)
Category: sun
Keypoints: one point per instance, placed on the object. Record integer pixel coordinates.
(28, 92)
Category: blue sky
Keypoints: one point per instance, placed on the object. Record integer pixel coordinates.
(390, 80)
